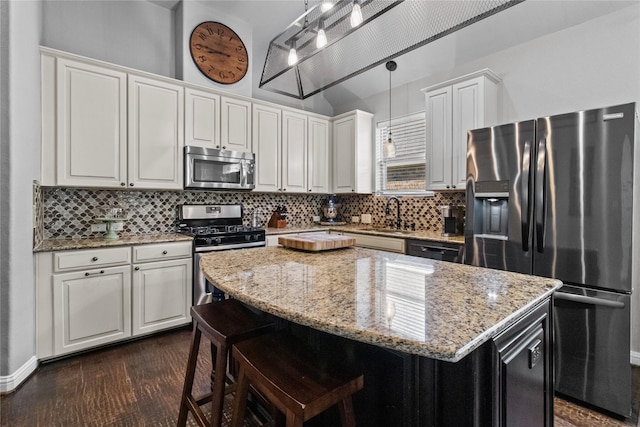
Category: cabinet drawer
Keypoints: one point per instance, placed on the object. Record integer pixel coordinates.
(161, 251)
(90, 258)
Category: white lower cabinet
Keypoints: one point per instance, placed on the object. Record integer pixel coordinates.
(389, 244)
(91, 308)
(161, 295)
(87, 298)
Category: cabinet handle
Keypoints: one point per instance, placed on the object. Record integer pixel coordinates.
(353, 189)
(89, 274)
(224, 147)
(95, 258)
(309, 189)
(137, 268)
(217, 146)
(122, 184)
(131, 184)
(284, 189)
(453, 186)
(164, 252)
(448, 186)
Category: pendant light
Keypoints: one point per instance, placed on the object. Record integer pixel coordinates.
(356, 14)
(293, 55)
(389, 146)
(321, 38)
(326, 5)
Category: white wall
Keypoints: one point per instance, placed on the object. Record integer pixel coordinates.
(136, 34)
(591, 65)
(20, 65)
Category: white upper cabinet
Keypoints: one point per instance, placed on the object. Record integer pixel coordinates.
(202, 118)
(105, 127)
(353, 153)
(294, 152)
(318, 166)
(156, 132)
(267, 134)
(91, 125)
(453, 108)
(236, 125)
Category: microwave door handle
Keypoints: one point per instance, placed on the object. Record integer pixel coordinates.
(243, 174)
(525, 215)
(541, 202)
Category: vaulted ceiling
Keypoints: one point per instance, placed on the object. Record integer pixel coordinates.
(516, 25)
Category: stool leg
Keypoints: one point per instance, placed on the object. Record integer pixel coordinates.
(217, 400)
(240, 400)
(188, 377)
(293, 420)
(347, 417)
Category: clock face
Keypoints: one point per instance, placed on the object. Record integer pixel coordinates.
(218, 52)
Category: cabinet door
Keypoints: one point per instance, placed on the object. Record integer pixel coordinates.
(344, 155)
(91, 308)
(438, 104)
(318, 156)
(91, 125)
(162, 293)
(156, 134)
(201, 119)
(266, 143)
(467, 115)
(294, 152)
(236, 125)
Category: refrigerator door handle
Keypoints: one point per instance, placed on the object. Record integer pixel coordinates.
(588, 300)
(541, 202)
(524, 195)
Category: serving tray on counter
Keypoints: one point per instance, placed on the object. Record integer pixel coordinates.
(316, 242)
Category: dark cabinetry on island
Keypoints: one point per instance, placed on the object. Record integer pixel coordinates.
(505, 382)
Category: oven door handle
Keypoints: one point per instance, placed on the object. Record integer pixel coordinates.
(588, 300)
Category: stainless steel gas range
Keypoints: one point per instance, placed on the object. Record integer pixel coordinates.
(215, 228)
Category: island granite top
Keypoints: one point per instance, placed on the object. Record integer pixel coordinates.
(415, 305)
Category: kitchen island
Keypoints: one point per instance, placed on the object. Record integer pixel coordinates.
(440, 343)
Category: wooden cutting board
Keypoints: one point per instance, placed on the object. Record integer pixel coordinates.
(316, 241)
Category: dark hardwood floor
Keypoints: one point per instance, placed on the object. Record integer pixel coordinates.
(139, 383)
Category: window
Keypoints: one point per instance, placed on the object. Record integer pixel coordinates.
(406, 172)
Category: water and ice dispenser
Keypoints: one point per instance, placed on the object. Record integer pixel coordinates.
(491, 209)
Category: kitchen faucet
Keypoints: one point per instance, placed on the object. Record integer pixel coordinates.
(387, 211)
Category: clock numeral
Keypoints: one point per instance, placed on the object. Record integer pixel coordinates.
(202, 35)
(241, 59)
(222, 75)
(210, 31)
(239, 69)
(230, 39)
(211, 68)
(202, 58)
(233, 75)
(198, 46)
(220, 32)
(239, 49)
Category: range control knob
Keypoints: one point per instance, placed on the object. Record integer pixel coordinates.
(217, 240)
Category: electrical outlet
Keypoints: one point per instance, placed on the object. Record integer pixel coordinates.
(118, 226)
(98, 228)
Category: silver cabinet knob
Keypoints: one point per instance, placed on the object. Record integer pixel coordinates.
(95, 258)
(137, 268)
(131, 184)
(164, 252)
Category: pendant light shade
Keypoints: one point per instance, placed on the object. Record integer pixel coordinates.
(390, 147)
(326, 5)
(356, 14)
(293, 55)
(321, 38)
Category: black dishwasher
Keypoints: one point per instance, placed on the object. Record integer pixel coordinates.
(441, 251)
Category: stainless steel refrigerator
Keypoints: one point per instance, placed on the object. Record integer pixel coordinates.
(553, 197)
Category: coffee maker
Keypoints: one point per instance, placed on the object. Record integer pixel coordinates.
(452, 220)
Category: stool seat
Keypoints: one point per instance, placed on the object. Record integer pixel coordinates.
(222, 323)
(293, 379)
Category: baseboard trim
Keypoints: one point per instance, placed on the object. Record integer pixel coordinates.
(10, 382)
(635, 358)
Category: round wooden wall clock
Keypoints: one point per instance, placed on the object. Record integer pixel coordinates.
(218, 52)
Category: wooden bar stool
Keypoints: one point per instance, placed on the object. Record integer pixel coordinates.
(223, 323)
(292, 379)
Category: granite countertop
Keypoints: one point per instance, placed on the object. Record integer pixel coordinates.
(420, 306)
(369, 229)
(70, 244)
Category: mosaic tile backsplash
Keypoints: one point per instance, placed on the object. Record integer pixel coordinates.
(67, 213)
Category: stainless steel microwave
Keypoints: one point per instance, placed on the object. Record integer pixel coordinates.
(210, 169)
